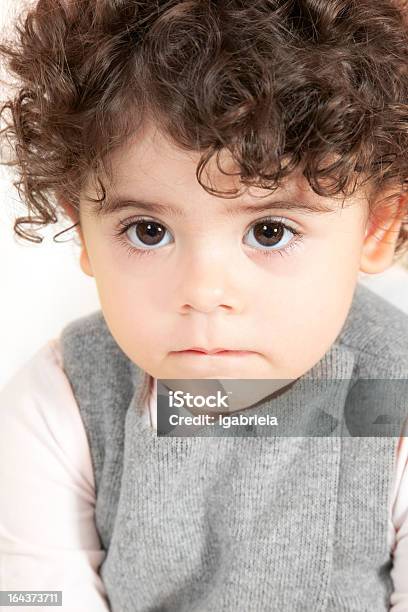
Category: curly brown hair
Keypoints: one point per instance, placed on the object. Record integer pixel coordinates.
(280, 84)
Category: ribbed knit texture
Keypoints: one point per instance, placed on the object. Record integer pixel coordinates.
(257, 523)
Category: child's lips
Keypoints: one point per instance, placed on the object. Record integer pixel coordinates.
(216, 355)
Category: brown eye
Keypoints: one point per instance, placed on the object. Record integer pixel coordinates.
(149, 232)
(146, 232)
(271, 233)
(269, 236)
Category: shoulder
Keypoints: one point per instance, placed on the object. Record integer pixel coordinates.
(93, 360)
(84, 330)
(91, 322)
(39, 415)
(377, 332)
(89, 350)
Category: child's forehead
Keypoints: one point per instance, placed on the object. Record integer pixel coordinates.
(166, 195)
(151, 153)
(147, 178)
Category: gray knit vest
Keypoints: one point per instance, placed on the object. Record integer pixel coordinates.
(232, 523)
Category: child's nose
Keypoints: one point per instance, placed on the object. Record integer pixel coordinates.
(206, 288)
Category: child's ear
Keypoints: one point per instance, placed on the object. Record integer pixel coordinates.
(73, 214)
(383, 228)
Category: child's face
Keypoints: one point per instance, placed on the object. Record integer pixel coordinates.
(206, 282)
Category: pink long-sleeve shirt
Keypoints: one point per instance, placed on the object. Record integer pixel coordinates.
(48, 537)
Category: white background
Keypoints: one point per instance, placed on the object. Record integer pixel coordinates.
(43, 287)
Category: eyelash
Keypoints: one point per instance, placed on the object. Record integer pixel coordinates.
(124, 226)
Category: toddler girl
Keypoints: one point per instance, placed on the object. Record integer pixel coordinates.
(230, 168)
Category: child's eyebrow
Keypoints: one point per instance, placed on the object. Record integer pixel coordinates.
(113, 205)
